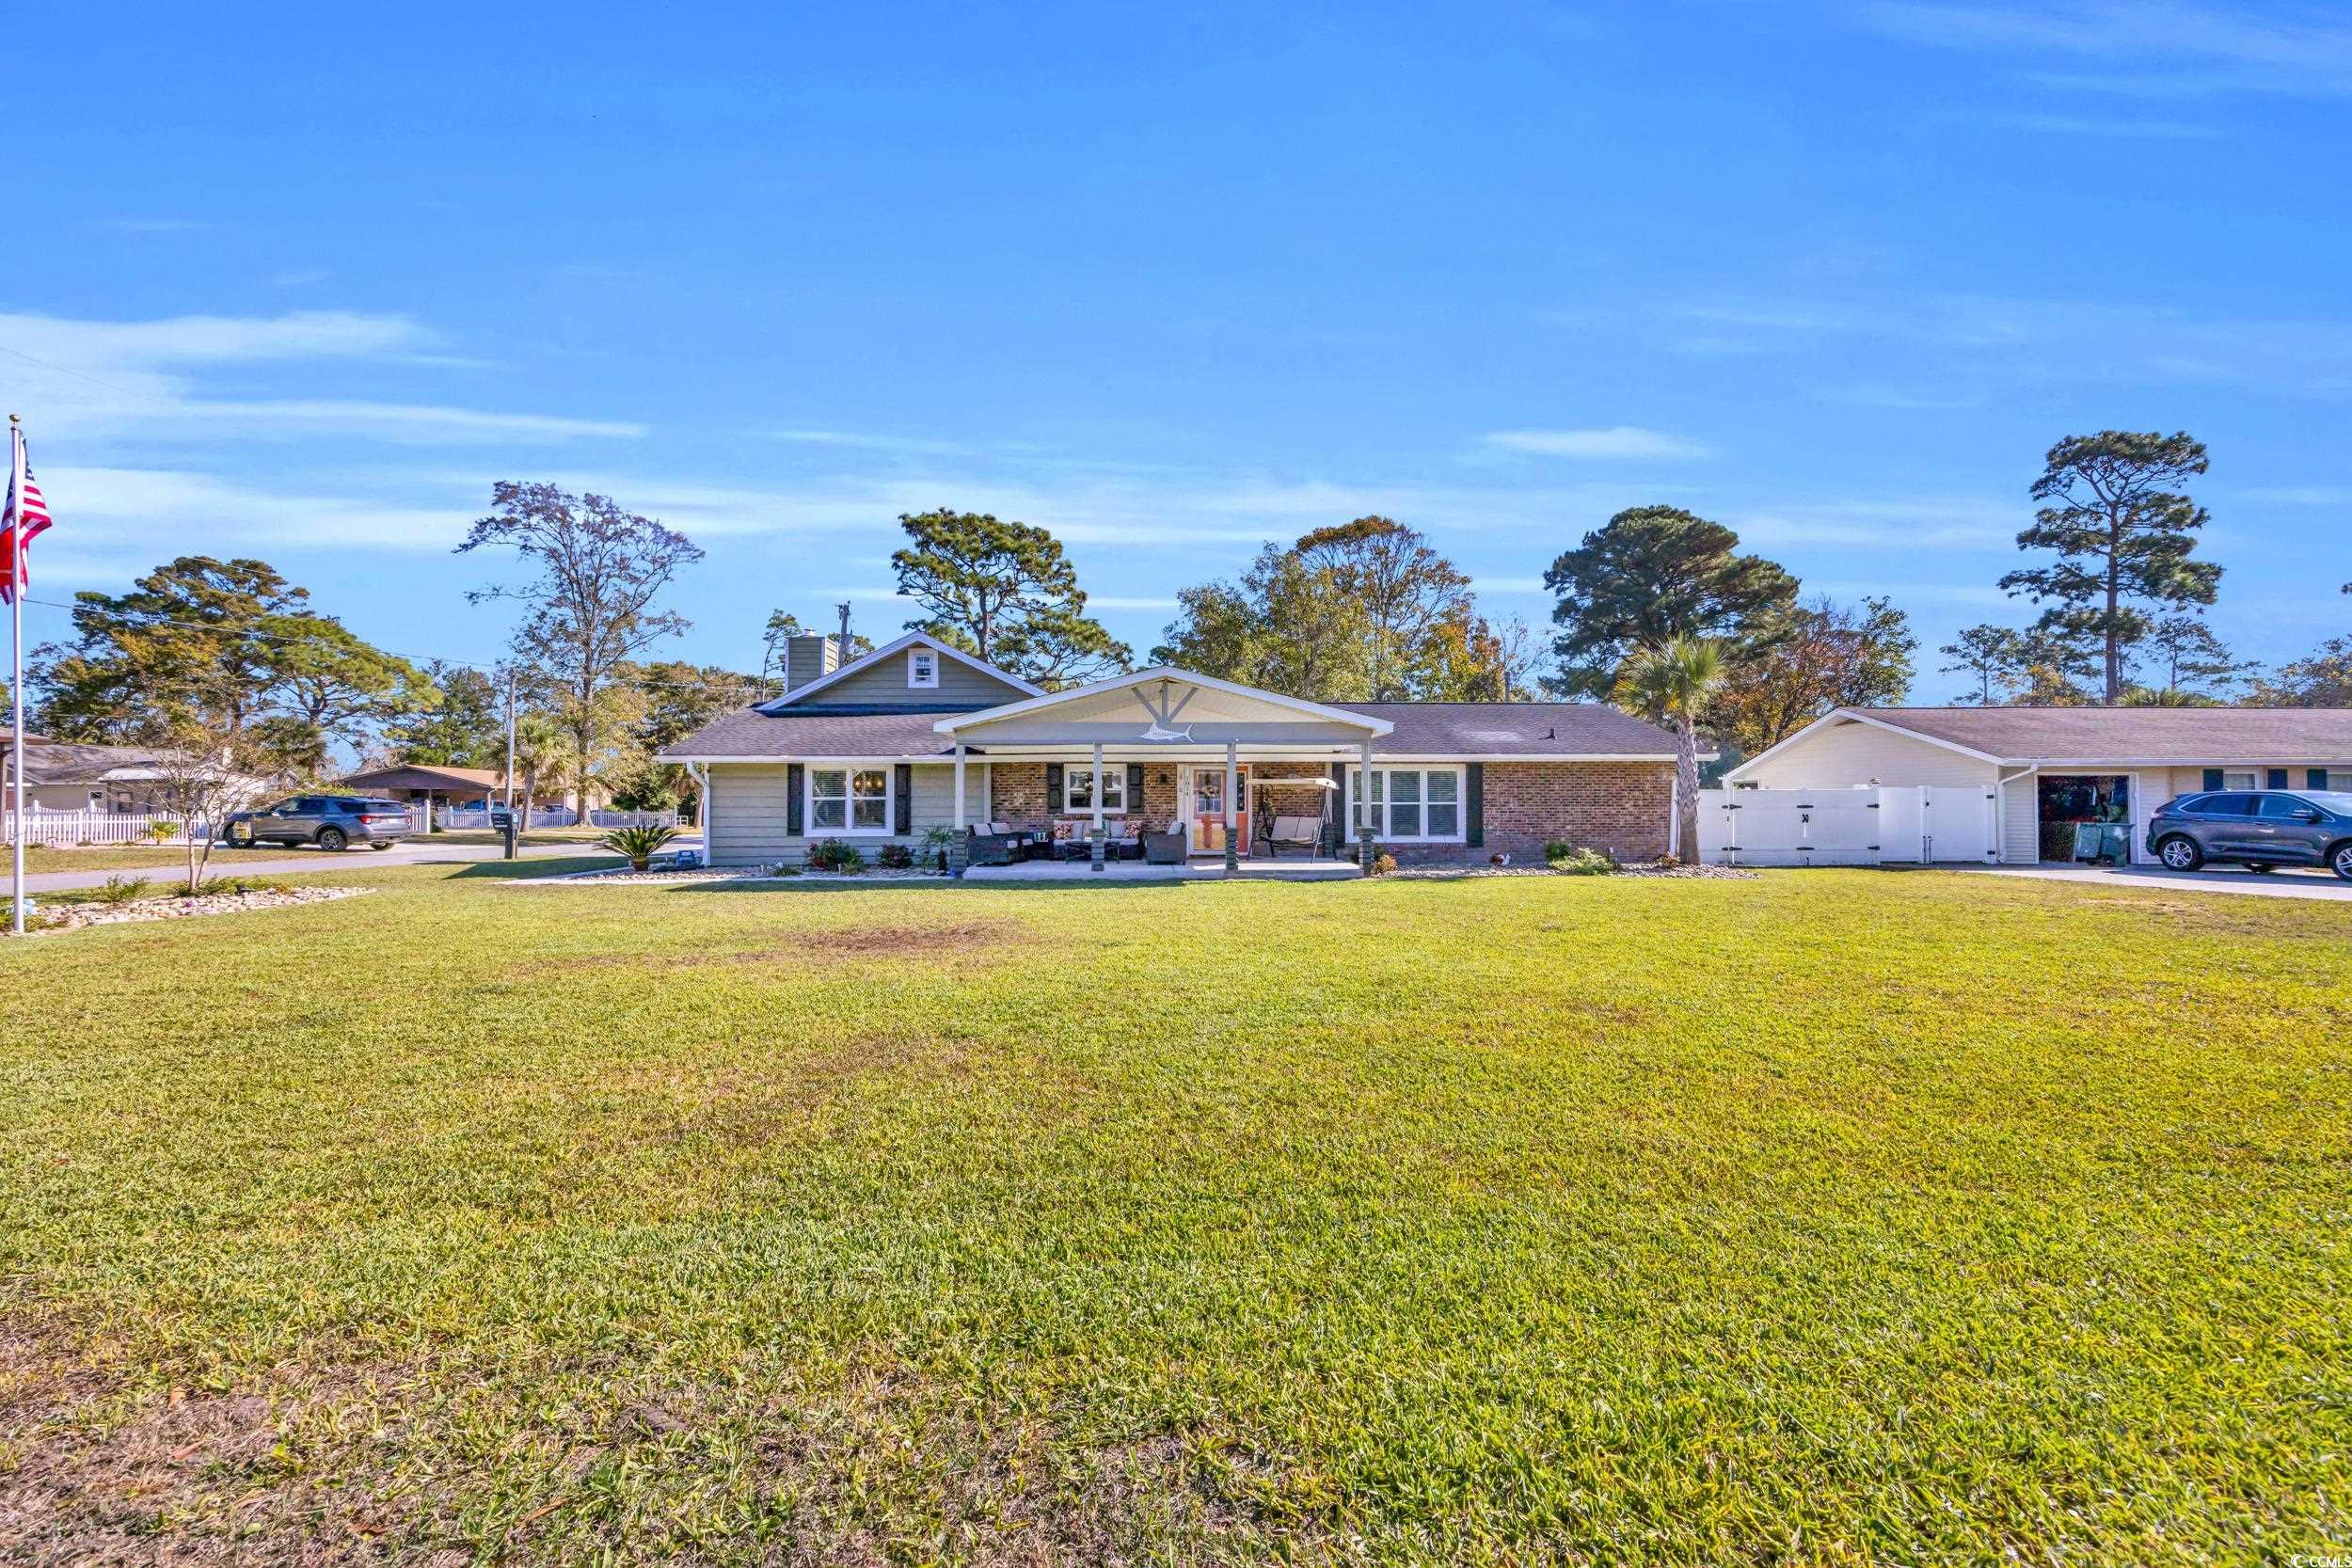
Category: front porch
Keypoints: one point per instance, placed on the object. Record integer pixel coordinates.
(1155, 777)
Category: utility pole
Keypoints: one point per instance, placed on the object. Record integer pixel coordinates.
(510, 762)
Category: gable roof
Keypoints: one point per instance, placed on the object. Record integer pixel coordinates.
(65, 762)
(1370, 724)
(912, 638)
(2180, 736)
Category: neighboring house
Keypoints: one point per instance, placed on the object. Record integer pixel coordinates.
(919, 735)
(434, 786)
(2050, 769)
(69, 775)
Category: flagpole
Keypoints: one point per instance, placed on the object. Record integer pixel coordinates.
(16, 671)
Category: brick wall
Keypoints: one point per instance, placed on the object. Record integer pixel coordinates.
(1618, 808)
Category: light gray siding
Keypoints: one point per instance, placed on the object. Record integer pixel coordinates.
(749, 825)
(883, 684)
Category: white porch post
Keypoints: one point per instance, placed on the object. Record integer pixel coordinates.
(1365, 850)
(1233, 789)
(958, 848)
(1097, 853)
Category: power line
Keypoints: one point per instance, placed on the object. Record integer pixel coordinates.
(751, 685)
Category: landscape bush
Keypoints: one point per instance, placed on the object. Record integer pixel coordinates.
(1570, 860)
(834, 856)
(895, 857)
(119, 890)
(639, 843)
(1382, 863)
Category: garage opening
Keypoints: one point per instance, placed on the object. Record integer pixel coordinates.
(2085, 817)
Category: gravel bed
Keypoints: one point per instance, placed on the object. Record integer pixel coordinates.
(74, 917)
(1704, 873)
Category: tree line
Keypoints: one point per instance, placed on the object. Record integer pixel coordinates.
(1658, 609)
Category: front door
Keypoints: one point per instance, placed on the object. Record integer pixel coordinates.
(1203, 791)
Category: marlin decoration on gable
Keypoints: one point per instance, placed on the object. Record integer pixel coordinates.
(1164, 715)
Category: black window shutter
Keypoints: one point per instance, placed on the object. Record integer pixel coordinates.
(2213, 778)
(1134, 787)
(1053, 790)
(1474, 807)
(2315, 778)
(793, 804)
(2275, 778)
(902, 791)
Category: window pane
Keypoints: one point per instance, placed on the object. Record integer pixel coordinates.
(1405, 787)
(829, 781)
(1444, 785)
(870, 781)
(2281, 807)
(1445, 818)
(1405, 820)
(869, 814)
(2236, 780)
(1115, 788)
(1078, 790)
(827, 814)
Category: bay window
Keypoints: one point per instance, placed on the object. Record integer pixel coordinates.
(849, 799)
(1410, 805)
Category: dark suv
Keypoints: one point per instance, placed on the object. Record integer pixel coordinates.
(2261, 828)
(329, 821)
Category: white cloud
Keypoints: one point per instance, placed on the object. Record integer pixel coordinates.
(1486, 584)
(174, 508)
(112, 377)
(1617, 441)
(2135, 41)
(1929, 522)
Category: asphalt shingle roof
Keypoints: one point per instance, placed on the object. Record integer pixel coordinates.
(2192, 734)
(1423, 729)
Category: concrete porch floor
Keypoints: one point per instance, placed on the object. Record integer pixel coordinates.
(1261, 868)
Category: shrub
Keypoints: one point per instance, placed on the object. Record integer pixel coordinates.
(895, 857)
(163, 832)
(36, 918)
(638, 844)
(1569, 861)
(119, 890)
(1382, 863)
(833, 855)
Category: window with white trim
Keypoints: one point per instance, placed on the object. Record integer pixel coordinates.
(922, 667)
(2240, 778)
(1078, 790)
(1410, 805)
(849, 799)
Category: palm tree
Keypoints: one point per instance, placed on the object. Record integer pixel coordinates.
(540, 747)
(1675, 681)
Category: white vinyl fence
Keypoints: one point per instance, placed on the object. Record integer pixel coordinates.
(92, 827)
(543, 816)
(1915, 825)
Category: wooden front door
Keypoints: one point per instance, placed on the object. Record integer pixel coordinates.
(1204, 808)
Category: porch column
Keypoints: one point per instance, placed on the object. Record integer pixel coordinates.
(1097, 853)
(1366, 851)
(959, 846)
(1233, 789)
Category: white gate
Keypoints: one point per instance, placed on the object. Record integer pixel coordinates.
(1917, 825)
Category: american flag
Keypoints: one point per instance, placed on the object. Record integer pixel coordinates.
(26, 520)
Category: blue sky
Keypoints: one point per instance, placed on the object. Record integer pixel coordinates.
(1171, 281)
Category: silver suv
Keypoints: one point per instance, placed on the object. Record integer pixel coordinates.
(329, 821)
(2259, 827)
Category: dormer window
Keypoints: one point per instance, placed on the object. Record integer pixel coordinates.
(922, 667)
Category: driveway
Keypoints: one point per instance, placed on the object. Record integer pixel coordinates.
(2275, 884)
(289, 862)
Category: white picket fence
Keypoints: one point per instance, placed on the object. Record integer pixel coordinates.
(1917, 825)
(92, 827)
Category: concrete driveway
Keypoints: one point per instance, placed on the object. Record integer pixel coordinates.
(289, 862)
(2299, 883)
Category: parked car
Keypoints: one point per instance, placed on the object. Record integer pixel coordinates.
(329, 821)
(2259, 827)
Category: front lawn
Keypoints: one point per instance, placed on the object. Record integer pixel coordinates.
(145, 857)
(1829, 1217)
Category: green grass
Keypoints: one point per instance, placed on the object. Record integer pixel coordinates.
(42, 856)
(1822, 1218)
